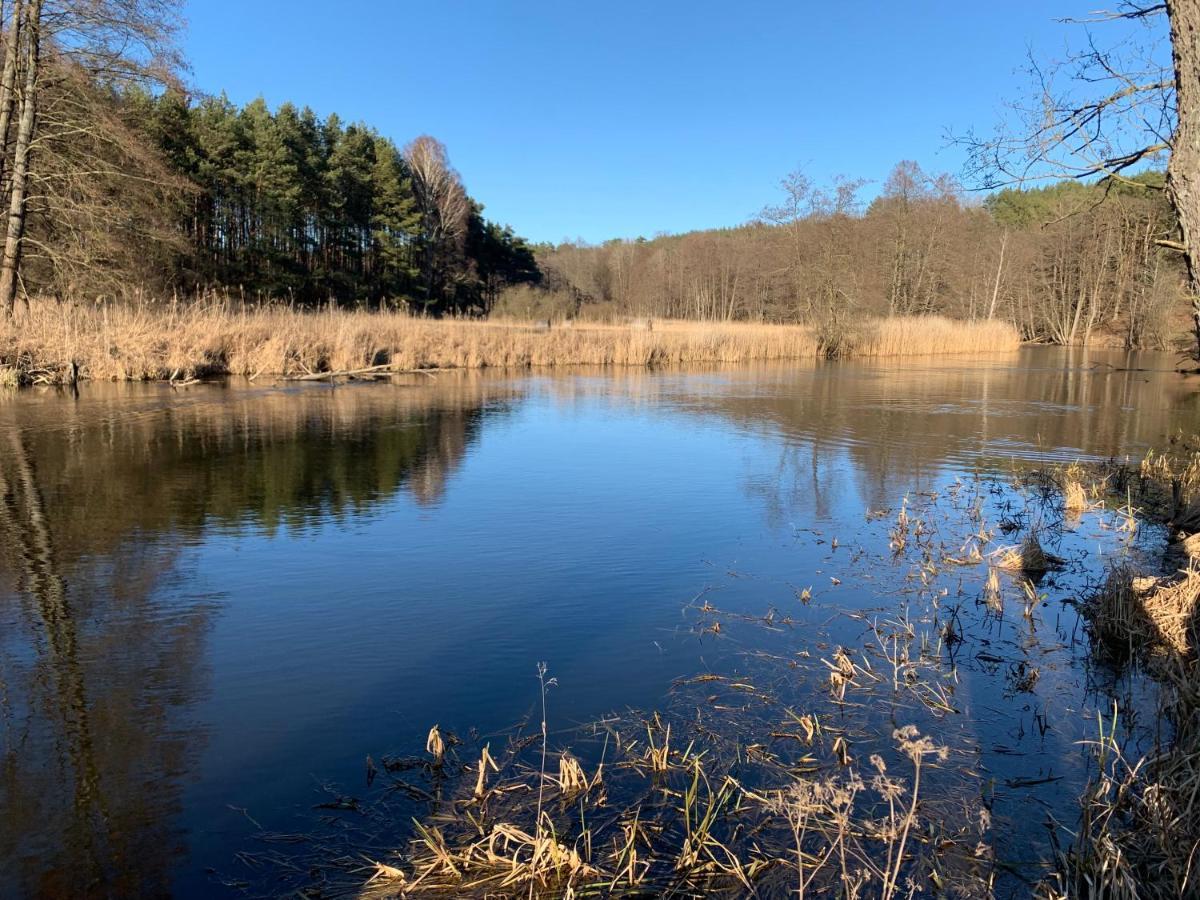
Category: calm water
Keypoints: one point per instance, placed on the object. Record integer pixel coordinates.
(214, 602)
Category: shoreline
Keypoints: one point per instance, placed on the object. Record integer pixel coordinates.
(53, 344)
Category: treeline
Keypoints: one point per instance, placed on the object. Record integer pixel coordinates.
(1062, 263)
(115, 182)
(285, 204)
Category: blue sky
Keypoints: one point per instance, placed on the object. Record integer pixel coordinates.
(587, 120)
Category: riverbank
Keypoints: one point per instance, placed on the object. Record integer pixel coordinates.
(56, 343)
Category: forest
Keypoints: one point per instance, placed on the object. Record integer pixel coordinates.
(120, 183)
(123, 184)
(1067, 263)
(286, 205)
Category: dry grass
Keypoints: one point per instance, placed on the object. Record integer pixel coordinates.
(1139, 834)
(992, 596)
(915, 335)
(1074, 494)
(197, 340)
(1030, 558)
(693, 829)
(1134, 613)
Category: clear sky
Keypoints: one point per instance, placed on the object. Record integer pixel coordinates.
(570, 119)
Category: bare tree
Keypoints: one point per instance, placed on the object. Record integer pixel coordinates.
(1183, 172)
(1107, 109)
(52, 48)
(8, 76)
(444, 208)
(29, 24)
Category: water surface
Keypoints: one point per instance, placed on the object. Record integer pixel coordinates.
(216, 601)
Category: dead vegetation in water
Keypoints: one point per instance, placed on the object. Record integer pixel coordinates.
(185, 341)
(721, 810)
(1139, 830)
(1075, 494)
(1138, 837)
(1029, 558)
(733, 792)
(709, 816)
(1134, 614)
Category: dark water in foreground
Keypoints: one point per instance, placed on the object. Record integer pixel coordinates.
(215, 601)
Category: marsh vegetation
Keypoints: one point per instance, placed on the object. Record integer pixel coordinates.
(52, 344)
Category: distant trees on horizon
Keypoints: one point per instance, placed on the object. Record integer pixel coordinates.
(1062, 262)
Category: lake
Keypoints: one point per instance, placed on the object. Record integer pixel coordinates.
(217, 602)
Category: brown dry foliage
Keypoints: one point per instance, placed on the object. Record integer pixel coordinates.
(173, 341)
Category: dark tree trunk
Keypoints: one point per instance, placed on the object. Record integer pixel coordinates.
(20, 175)
(1183, 171)
(8, 80)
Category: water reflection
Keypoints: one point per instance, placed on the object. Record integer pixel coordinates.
(206, 591)
(103, 618)
(887, 425)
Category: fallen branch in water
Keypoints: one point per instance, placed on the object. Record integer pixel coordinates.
(384, 369)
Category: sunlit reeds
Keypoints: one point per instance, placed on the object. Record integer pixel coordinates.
(197, 340)
(1138, 834)
(1029, 558)
(1148, 613)
(683, 829)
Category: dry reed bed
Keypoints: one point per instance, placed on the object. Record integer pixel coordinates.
(50, 341)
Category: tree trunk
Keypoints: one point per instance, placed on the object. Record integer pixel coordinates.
(8, 80)
(16, 212)
(1183, 171)
(999, 273)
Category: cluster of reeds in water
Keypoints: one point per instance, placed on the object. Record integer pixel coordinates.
(685, 824)
(715, 812)
(54, 342)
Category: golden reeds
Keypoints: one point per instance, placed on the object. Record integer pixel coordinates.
(435, 745)
(688, 833)
(917, 335)
(1030, 558)
(1075, 499)
(197, 340)
(1135, 613)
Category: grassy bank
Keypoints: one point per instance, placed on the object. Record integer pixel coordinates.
(50, 342)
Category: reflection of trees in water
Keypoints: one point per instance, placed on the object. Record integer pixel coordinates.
(100, 659)
(88, 738)
(112, 465)
(886, 427)
(881, 427)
